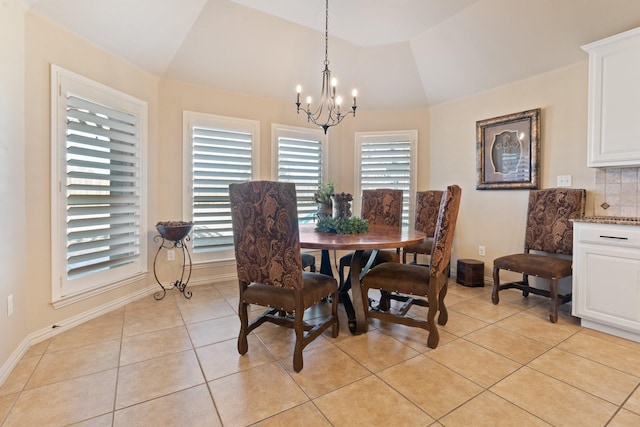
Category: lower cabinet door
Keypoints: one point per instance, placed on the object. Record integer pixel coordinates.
(607, 285)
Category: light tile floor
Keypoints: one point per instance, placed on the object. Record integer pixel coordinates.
(174, 363)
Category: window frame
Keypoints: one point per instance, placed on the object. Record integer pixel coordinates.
(362, 138)
(189, 120)
(66, 291)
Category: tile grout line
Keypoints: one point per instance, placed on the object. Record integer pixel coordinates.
(195, 353)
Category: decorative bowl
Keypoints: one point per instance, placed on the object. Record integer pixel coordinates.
(174, 230)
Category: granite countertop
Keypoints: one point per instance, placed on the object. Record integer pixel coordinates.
(609, 220)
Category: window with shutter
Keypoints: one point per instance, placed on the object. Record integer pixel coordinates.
(387, 160)
(299, 158)
(218, 151)
(98, 226)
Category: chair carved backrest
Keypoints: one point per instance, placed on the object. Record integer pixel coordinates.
(427, 206)
(445, 227)
(382, 206)
(549, 228)
(265, 233)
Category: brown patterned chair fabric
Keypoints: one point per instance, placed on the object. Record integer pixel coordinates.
(380, 207)
(427, 205)
(269, 265)
(411, 283)
(549, 231)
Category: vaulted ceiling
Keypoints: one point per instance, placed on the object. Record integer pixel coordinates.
(397, 53)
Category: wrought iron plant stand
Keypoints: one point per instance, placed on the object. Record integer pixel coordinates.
(174, 235)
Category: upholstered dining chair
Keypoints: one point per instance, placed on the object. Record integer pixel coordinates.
(411, 283)
(549, 232)
(381, 207)
(267, 248)
(427, 206)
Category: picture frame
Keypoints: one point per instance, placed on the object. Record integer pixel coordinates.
(508, 151)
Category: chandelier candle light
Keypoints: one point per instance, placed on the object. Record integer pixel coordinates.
(327, 113)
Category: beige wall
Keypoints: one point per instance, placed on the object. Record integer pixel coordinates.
(496, 218)
(12, 192)
(48, 44)
(446, 155)
(446, 152)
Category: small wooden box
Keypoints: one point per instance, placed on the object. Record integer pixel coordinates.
(470, 273)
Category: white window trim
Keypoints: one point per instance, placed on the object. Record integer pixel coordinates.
(189, 120)
(362, 138)
(60, 295)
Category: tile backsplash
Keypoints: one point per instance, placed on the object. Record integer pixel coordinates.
(617, 192)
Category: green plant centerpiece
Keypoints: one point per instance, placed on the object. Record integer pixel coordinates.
(322, 196)
(347, 225)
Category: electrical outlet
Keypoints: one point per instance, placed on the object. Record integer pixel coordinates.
(563, 181)
(171, 255)
(10, 305)
(481, 250)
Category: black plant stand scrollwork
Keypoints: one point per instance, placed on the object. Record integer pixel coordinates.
(174, 237)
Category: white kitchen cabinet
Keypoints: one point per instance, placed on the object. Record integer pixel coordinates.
(606, 278)
(614, 101)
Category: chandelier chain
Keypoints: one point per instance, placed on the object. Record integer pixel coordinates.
(326, 34)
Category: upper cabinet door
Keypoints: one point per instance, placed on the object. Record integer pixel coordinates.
(614, 100)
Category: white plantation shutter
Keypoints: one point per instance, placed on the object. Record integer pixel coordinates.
(220, 151)
(300, 159)
(99, 205)
(103, 187)
(386, 160)
(219, 159)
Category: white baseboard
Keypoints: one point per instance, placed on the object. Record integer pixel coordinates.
(609, 329)
(13, 360)
(59, 327)
(219, 278)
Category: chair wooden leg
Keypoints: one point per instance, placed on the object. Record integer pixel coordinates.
(495, 298)
(243, 345)
(525, 280)
(443, 317)
(335, 328)
(298, 327)
(434, 336)
(553, 310)
(341, 269)
(385, 301)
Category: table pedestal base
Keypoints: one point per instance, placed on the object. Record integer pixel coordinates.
(356, 318)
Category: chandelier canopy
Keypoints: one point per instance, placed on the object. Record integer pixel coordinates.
(327, 113)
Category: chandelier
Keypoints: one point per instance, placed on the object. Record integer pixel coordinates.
(327, 113)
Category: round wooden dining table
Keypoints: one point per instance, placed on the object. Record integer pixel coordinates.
(378, 237)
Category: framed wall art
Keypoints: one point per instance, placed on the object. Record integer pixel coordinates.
(508, 151)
